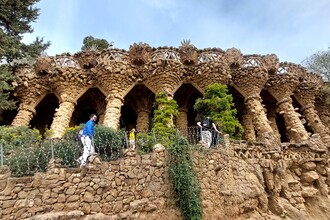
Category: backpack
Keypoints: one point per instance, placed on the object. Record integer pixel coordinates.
(80, 134)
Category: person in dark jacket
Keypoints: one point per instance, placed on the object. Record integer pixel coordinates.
(87, 140)
(208, 131)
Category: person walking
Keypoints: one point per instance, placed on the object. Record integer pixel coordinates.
(87, 140)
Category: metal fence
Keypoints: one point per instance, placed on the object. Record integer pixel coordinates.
(34, 157)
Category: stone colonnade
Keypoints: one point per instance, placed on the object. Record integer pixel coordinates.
(116, 72)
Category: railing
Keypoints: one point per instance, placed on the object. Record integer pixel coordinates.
(27, 160)
(211, 55)
(165, 54)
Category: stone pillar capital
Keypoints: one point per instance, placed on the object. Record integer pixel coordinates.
(67, 98)
(287, 99)
(306, 107)
(253, 97)
(70, 100)
(113, 96)
(27, 107)
(143, 110)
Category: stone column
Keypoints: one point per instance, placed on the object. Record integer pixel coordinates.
(259, 117)
(142, 123)
(315, 122)
(113, 111)
(249, 133)
(101, 117)
(182, 121)
(62, 118)
(295, 129)
(24, 116)
(272, 121)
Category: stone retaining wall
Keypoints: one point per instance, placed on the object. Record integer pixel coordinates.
(239, 181)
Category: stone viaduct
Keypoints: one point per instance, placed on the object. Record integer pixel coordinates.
(274, 99)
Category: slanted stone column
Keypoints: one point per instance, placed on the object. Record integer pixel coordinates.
(142, 123)
(258, 114)
(305, 95)
(113, 111)
(249, 133)
(62, 117)
(281, 85)
(182, 121)
(272, 121)
(294, 127)
(24, 115)
(249, 76)
(316, 124)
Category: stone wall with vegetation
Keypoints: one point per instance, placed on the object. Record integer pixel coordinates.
(133, 186)
(241, 180)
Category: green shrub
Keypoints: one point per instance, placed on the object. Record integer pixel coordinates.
(72, 132)
(67, 150)
(29, 160)
(163, 128)
(109, 143)
(218, 105)
(145, 142)
(22, 147)
(16, 138)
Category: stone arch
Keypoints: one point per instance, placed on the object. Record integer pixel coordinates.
(45, 111)
(92, 101)
(137, 110)
(186, 96)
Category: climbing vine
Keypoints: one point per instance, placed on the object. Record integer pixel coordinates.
(183, 178)
(181, 170)
(163, 127)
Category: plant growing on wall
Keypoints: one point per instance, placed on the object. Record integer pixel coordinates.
(188, 53)
(181, 170)
(218, 104)
(183, 178)
(163, 126)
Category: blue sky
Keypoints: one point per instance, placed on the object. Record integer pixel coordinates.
(292, 29)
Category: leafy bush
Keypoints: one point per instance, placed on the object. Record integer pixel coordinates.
(72, 132)
(145, 142)
(23, 150)
(16, 138)
(109, 143)
(67, 150)
(163, 128)
(218, 105)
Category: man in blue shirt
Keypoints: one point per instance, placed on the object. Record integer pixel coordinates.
(87, 140)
